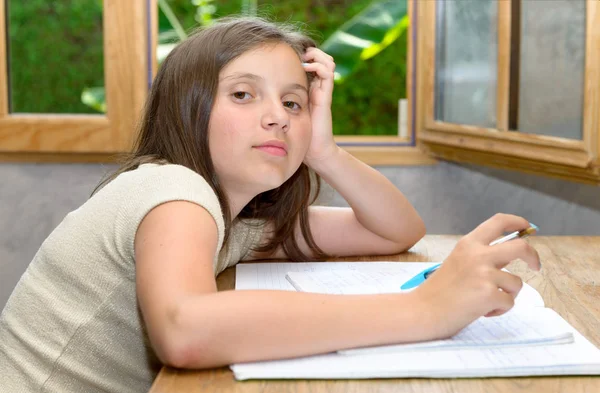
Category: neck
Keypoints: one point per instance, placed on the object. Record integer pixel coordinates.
(237, 198)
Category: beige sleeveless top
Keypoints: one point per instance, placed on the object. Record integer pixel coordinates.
(72, 323)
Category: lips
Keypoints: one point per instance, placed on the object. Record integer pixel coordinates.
(273, 147)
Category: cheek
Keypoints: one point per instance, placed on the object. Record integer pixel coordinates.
(304, 135)
(224, 132)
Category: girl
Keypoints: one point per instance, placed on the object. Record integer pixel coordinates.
(237, 115)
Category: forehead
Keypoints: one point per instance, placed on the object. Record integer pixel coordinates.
(268, 60)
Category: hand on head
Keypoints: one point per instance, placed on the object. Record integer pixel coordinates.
(322, 144)
(323, 65)
(470, 282)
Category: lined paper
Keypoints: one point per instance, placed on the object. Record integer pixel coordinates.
(382, 275)
(272, 275)
(518, 327)
(578, 358)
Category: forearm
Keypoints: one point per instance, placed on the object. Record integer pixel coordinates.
(239, 326)
(377, 204)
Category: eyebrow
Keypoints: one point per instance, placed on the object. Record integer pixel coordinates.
(258, 78)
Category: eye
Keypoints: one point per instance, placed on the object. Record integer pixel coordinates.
(291, 105)
(241, 95)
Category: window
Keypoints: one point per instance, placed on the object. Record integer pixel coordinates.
(26, 132)
(511, 83)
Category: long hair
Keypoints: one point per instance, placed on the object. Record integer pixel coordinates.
(174, 126)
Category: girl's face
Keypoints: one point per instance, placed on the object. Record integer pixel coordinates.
(260, 127)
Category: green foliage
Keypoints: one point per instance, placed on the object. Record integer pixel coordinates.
(365, 104)
(94, 97)
(205, 11)
(55, 52)
(365, 35)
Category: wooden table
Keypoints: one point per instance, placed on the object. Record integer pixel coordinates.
(569, 283)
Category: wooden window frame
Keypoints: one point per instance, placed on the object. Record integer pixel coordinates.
(501, 147)
(72, 137)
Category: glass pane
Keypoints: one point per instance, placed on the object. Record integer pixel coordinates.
(54, 53)
(466, 62)
(552, 66)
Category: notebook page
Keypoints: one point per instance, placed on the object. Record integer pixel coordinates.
(347, 282)
(272, 275)
(578, 358)
(534, 326)
(363, 281)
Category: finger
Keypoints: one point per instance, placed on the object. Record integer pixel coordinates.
(502, 254)
(319, 52)
(496, 313)
(509, 283)
(324, 74)
(503, 302)
(319, 56)
(496, 226)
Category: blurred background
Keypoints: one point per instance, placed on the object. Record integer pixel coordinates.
(71, 33)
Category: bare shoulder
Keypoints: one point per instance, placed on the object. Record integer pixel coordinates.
(175, 246)
(174, 223)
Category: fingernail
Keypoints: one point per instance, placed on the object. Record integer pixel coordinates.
(305, 64)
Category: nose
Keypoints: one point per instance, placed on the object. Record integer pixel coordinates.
(275, 117)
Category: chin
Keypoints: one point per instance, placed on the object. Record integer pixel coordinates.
(273, 177)
(270, 185)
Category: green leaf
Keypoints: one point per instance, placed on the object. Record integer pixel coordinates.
(168, 12)
(366, 34)
(388, 39)
(95, 98)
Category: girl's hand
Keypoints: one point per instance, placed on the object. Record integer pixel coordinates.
(470, 283)
(322, 145)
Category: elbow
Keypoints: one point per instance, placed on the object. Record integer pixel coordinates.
(420, 230)
(184, 354)
(417, 233)
(414, 234)
(174, 355)
(172, 349)
(179, 346)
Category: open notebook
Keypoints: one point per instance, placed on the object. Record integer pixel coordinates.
(529, 323)
(530, 340)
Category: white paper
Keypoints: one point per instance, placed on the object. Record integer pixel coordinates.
(578, 358)
(366, 280)
(536, 326)
(347, 282)
(272, 275)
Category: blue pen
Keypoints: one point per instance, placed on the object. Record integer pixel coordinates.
(419, 278)
(422, 276)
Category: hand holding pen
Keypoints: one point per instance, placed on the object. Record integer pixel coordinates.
(471, 283)
(424, 275)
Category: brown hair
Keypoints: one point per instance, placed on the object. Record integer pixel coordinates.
(174, 126)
